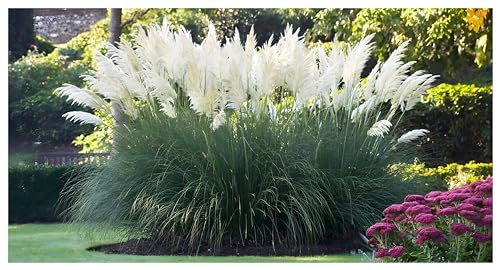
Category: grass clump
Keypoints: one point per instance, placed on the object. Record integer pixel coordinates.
(237, 146)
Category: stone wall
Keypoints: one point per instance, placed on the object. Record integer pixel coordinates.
(60, 25)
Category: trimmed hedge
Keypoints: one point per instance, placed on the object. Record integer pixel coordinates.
(443, 177)
(34, 191)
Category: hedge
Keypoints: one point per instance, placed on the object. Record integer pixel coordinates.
(34, 191)
(443, 177)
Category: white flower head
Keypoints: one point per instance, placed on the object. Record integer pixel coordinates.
(379, 129)
(412, 135)
(82, 117)
(219, 120)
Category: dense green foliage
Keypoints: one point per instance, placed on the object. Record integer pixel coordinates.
(251, 182)
(443, 40)
(34, 111)
(459, 117)
(42, 45)
(443, 177)
(100, 140)
(34, 191)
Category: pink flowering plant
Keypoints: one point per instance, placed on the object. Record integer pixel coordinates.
(448, 226)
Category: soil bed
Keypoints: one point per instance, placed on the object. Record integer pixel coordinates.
(149, 247)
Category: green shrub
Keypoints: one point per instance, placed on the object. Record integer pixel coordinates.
(459, 118)
(442, 38)
(43, 45)
(100, 140)
(82, 47)
(34, 111)
(443, 177)
(34, 192)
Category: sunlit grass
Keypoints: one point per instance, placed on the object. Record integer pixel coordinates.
(61, 243)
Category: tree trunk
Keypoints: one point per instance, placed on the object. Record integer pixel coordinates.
(21, 33)
(115, 25)
(115, 30)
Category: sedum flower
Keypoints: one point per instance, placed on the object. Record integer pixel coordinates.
(488, 202)
(458, 229)
(469, 215)
(484, 188)
(482, 238)
(381, 228)
(488, 220)
(476, 201)
(418, 209)
(393, 209)
(396, 251)
(425, 218)
(382, 252)
(486, 211)
(429, 234)
(448, 211)
(468, 207)
(458, 196)
(414, 198)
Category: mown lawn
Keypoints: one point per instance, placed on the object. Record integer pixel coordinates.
(61, 243)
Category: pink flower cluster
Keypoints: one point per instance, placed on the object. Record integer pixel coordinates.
(381, 228)
(429, 233)
(419, 219)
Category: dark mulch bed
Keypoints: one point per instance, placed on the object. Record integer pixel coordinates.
(149, 247)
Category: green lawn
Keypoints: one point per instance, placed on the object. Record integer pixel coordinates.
(61, 243)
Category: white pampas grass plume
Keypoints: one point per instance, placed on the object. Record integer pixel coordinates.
(412, 135)
(219, 120)
(82, 96)
(379, 129)
(272, 111)
(82, 117)
(355, 62)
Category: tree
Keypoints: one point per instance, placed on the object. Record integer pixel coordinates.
(21, 34)
(115, 30)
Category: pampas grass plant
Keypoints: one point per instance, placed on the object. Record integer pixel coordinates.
(237, 145)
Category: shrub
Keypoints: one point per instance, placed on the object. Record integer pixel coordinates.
(443, 177)
(449, 41)
(235, 145)
(34, 191)
(100, 140)
(452, 226)
(459, 117)
(34, 112)
(43, 45)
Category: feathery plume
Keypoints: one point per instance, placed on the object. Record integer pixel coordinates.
(82, 117)
(379, 129)
(412, 135)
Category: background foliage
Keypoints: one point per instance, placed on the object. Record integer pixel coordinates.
(446, 41)
(443, 177)
(459, 117)
(34, 112)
